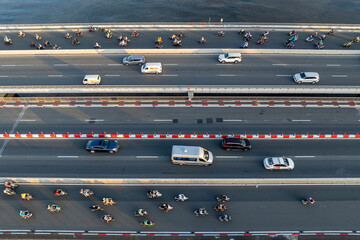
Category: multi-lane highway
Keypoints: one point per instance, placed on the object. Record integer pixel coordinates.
(152, 159)
(178, 70)
(147, 37)
(262, 208)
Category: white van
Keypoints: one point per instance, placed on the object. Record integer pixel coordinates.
(191, 155)
(151, 68)
(92, 79)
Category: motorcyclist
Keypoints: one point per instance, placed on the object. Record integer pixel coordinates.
(153, 193)
(290, 44)
(40, 46)
(357, 39)
(220, 207)
(266, 33)
(322, 37)
(177, 42)
(21, 34)
(24, 213)
(95, 208)
(9, 184)
(47, 43)
(123, 43)
(141, 212)
(97, 45)
(173, 37)
(159, 40)
(134, 34)
(56, 47)
(181, 197)
(76, 41)
(225, 218)
(91, 29)
(221, 33)
(331, 32)
(147, 223)
(242, 31)
(202, 40)
(165, 207)
(32, 44)
(67, 36)
(245, 45)
(310, 200)
(54, 208)
(59, 191)
(37, 37)
(6, 39)
(78, 33)
(9, 191)
(181, 34)
(108, 201)
(292, 33)
(107, 218)
(26, 196)
(223, 198)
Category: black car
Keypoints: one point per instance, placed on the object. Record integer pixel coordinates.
(236, 143)
(110, 146)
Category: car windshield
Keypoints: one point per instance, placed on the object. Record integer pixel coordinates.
(226, 55)
(105, 143)
(302, 75)
(128, 58)
(270, 161)
(243, 142)
(286, 162)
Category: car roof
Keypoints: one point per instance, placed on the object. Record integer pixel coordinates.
(311, 74)
(91, 76)
(233, 140)
(186, 150)
(152, 64)
(136, 56)
(234, 54)
(278, 160)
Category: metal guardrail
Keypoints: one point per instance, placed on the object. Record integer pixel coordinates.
(190, 90)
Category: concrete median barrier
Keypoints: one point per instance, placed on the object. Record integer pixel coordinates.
(186, 181)
(179, 51)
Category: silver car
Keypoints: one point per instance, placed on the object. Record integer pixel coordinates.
(279, 163)
(306, 77)
(230, 58)
(134, 60)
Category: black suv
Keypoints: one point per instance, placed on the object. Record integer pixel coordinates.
(110, 146)
(236, 143)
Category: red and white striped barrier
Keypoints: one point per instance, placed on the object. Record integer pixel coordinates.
(181, 234)
(177, 136)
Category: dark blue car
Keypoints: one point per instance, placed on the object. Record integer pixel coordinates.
(110, 146)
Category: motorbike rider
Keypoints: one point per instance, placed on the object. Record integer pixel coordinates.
(202, 40)
(53, 207)
(21, 34)
(159, 40)
(56, 47)
(40, 46)
(223, 198)
(153, 193)
(59, 191)
(225, 218)
(97, 45)
(47, 43)
(37, 37)
(177, 42)
(181, 34)
(202, 211)
(357, 39)
(266, 33)
(9, 184)
(107, 218)
(67, 35)
(292, 32)
(310, 200)
(134, 34)
(6, 39)
(108, 201)
(165, 207)
(242, 31)
(221, 33)
(331, 32)
(245, 45)
(32, 44)
(24, 213)
(141, 212)
(147, 223)
(95, 207)
(290, 44)
(181, 197)
(75, 41)
(9, 191)
(220, 207)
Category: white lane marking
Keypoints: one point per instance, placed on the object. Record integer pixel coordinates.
(339, 75)
(279, 64)
(13, 129)
(170, 64)
(28, 120)
(61, 64)
(284, 75)
(68, 156)
(115, 64)
(232, 120)
(226, 75)
(55, 75)
(147, 156)
(170, 75)
(25, 65)
(114, 75)
(333, 65)
(301, 120)
(95, 120)
(304, 156)
(228, 157)
(4, 76)
(163, 120)
(8, 65)
(95, 64)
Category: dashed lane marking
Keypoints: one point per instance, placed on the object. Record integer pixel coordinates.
(228, 156)
(232, 120)
(3, 76)
(147, 156)
(61, 65)
(301, 120)
(115, 64)
(55, 75)
(68, 156)
(28, 120)
(333, 65)
(170, 75)
(10, 65)
(114, 75)
(170, 64)
(283, 75)
(226, 75)
(163, 120)
(95, 120)
(279, 64)
(304, 156)
(339, 76)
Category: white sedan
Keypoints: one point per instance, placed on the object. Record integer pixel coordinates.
(279, 163)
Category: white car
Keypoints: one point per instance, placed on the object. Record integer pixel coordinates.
(279, 163)
(306, 77)
(230, 58)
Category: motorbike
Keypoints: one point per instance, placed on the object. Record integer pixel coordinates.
(241, 31)
(21, 34)
(10, 184)
(357, 39)
(56, 47)
(308, 201)
(147, 223)
(202, 40)
(37, 37)
(54, 208)
(135, 34)
(292, 33)
(39, 46)
(173, 37)
(166, 207)
(322, 37)
(108, 35)
(32, 44)
(223, 198)
(294, 38)
(27, 196)
(60, 192)
(9, 191)
(290, 45)
(331, 32)
(154, 194)
(107, 218)
(225, 218)
(25, 214)
(87, 192)
(140, 213)
(220, 34)
(181, 198)
(244, 45)
(108, 201)
(158, 40)
(201, 212)
(123, 43)
(348, 44)
(220, 207)
(47, 44)
(260, 42)
(95, 208)
(265, 34)
(177, 43)
(181, 35)
(310, 38)
(159, 45)
(75, 42)
(8, 41)
(78, 33)
(319, 45)
(68, 36)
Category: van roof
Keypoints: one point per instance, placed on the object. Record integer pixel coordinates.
(136, 56)
(153, 64)
(91, 76)
(186, 150)
(235, 54)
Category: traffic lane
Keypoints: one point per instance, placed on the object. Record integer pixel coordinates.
(183, 120)
(252, 208)
(152, 159)
(213, 73)
(232, 39)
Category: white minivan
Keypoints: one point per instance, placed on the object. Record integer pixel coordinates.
(191, 155)
(151, 68)
(92, 79)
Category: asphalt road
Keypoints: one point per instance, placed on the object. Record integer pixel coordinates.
(146, 39)
(162, 120)
(178, 70)
(151, 159)
(252, 209)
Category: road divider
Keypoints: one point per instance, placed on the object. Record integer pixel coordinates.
(179, 51)
(184, 181)
(256, 136)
